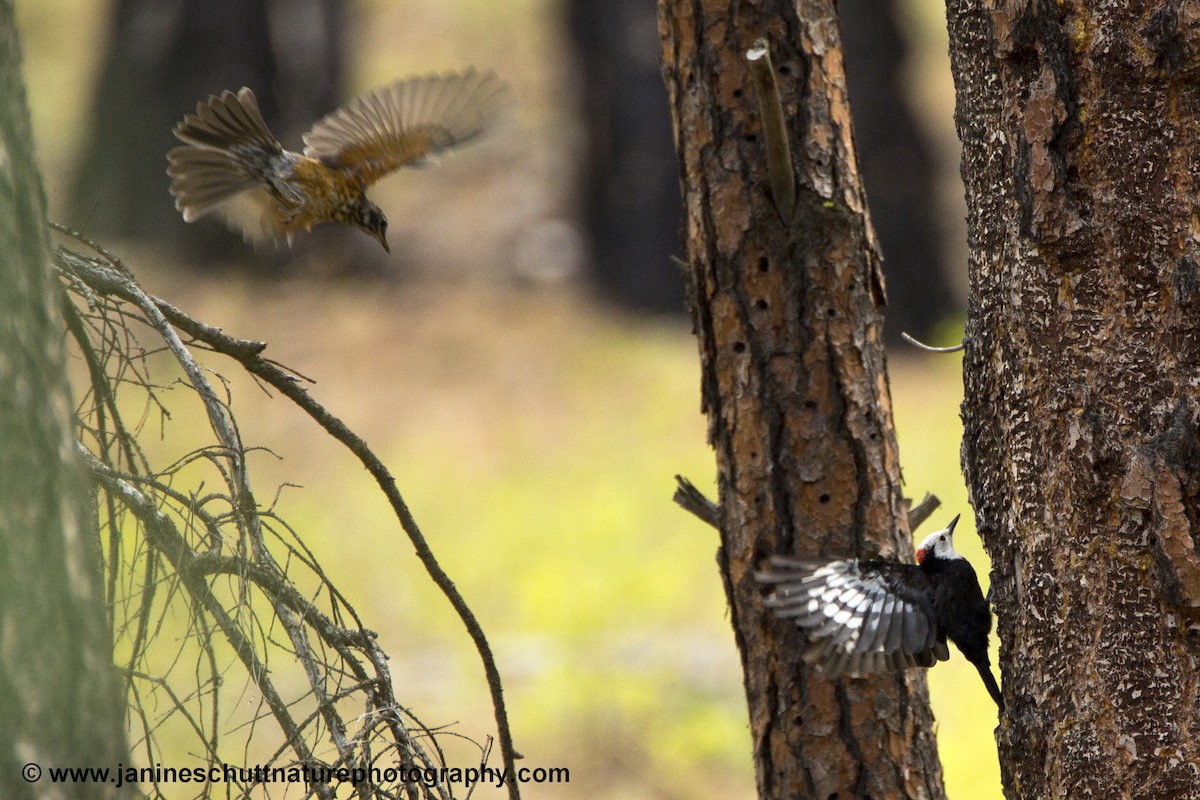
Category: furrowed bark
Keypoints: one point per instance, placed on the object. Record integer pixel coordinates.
(61, 700)
(788, 316)
(1080, 125)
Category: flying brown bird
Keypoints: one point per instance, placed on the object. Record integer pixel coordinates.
(233, 165)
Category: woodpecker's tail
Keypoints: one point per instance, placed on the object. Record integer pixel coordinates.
(985, 672)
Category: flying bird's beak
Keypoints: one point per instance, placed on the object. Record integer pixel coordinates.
(382, 237)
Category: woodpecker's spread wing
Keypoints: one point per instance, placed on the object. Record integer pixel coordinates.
(224, 164)
(409, 121)
(861, 617)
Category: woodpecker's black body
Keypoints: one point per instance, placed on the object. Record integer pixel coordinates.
(864, 617)
(962, 613)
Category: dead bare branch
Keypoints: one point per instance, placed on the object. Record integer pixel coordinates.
(213, 551)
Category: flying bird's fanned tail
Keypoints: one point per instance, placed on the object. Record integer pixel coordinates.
(223, 165)
(225, 120)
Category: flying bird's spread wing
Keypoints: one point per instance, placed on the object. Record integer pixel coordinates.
(407, 122)
(861, 617)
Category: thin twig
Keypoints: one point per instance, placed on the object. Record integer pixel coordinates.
(172, 544)
(336, 428)
(930, 348)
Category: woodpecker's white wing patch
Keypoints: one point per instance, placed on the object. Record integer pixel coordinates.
(860, 618)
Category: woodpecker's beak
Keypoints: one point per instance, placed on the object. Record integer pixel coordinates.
(953, 522)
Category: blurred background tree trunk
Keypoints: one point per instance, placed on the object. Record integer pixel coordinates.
(60, 700)
(1079, 123)
(898, 169)
(630, 194)
(164, 57)
(629, 180)
(788, 311)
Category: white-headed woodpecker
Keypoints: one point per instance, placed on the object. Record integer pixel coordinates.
(864, 617)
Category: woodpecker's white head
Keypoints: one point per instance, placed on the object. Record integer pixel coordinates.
(939, 544)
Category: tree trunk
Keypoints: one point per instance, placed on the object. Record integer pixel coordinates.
(60, 702)
(629, 185)
(1079, 125)
(787, 308)
(898, 169)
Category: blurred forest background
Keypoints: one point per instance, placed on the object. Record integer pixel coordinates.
(521, 360)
